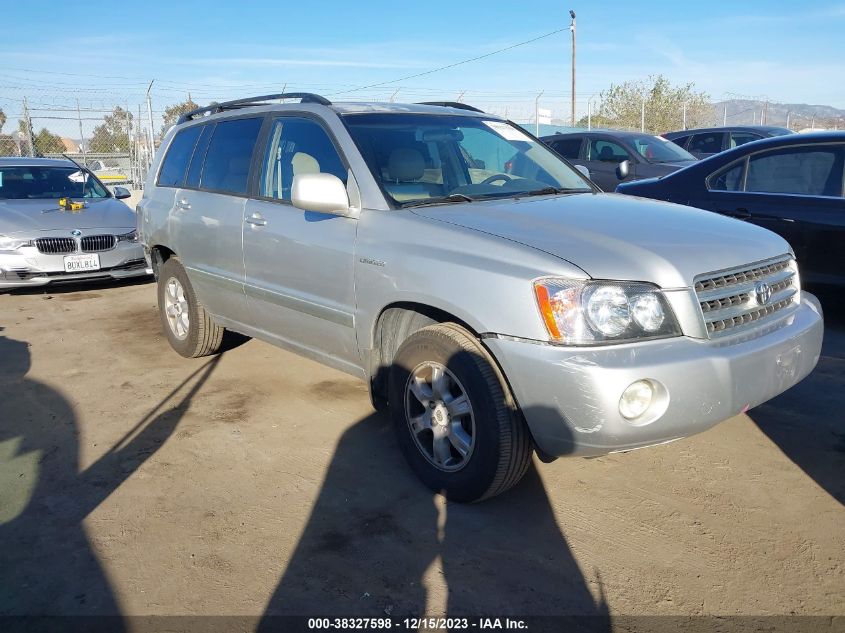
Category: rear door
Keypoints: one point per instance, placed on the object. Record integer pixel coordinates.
(209, 215)
(299, 264)
(602, 159)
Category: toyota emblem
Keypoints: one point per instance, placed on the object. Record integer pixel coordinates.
(762, 292)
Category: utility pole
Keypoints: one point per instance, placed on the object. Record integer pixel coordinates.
(28, 121)
(150, 117)
(642, 116)
(393, 96)
(685, 115)
(788, 112)
(725, 117)
(460, 96)
(572, 29)
(764, 118)
(81, 135)
(537, 114)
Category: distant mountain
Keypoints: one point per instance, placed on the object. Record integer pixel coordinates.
(801, 115)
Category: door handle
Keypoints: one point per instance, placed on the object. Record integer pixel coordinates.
(183, 204)
(256, 220)
(740, 213)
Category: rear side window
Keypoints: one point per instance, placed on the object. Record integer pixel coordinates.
(681, 140)
(811, 170)
(706, 143)
(175, 163)
(568, 148)
(229, 155)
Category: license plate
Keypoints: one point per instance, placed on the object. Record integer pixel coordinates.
(82, 263)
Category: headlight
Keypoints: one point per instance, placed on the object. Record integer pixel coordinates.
(132, 236)
(12, 243)
(597, 312)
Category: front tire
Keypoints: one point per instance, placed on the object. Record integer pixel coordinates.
(188, 327)
(455, 418)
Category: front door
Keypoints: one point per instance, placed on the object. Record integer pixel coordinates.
(299, 264)
(603, 157)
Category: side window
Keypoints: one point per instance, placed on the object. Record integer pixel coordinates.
(568, 148)
(606, 151)
(729, 179)
(195, 168)
(297, 146)
(809, 170)
(172, 172)
(229, 155)
(706, 143)
(681, 140)
(741, 138)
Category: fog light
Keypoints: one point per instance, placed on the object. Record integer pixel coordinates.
(636, 399)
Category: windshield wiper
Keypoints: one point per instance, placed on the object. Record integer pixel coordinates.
(548, 191)
(455, 197)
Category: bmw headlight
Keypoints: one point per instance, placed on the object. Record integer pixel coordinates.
(600, 312)
(132, 236)
(12, 243)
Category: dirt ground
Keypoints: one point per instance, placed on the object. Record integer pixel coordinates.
(133, 481)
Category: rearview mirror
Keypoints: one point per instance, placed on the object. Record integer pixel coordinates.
(584, 171)
(623, 169)
(323, 193)
(121, 193)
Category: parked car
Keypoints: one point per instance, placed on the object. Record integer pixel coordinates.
(614, 156)
(704, 142)
(792, 185)
(59, 223)
(492, 313)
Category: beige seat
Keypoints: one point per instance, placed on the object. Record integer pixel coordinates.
(405, 168)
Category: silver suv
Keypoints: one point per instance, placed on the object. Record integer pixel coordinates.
(494, 300)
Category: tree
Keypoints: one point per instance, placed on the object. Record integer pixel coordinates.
(621, 106)
(48, 143)
(112, 135)
(173, 112)
(2, 119)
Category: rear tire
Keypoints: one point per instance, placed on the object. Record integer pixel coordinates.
(187, 325)
(455, 418)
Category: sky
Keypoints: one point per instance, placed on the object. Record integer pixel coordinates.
(771, 50)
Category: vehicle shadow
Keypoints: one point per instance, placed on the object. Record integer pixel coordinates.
(48, 566)
(378, 543)
(807, 422)
(79, 286)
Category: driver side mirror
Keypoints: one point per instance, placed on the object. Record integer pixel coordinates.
(322, 193)
(121, 193)
(583, 170)
(623, 169)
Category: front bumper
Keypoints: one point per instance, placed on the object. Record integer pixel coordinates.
(570, 396)
(27, 267)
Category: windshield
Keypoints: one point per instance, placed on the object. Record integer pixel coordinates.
(420, 158)
(656, 149)
(21, 183)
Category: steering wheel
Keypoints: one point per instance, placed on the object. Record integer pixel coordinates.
(494, 178)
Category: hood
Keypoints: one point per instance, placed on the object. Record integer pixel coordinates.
(29, 217)
(612, 236)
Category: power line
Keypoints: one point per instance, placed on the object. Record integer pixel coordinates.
(460, 63)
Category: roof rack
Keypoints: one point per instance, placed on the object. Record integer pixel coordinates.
(304, 97)
(452, 104)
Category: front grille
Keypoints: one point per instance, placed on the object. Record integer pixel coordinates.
(54, 245)
(97, 243)
(729, 299)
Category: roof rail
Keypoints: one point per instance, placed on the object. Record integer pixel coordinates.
(452, 104)
(304, 97)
